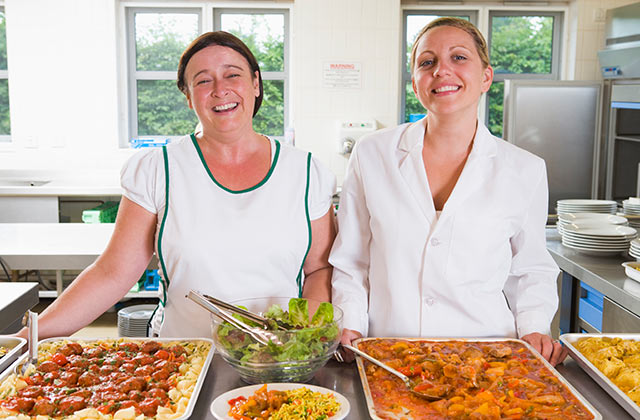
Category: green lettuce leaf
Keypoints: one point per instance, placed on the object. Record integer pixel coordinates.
(299, 312)
(323, 315)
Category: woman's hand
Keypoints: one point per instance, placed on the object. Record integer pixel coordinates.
(550, 349)
(347, 337)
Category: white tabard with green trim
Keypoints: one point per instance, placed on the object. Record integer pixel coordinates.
(228, 244)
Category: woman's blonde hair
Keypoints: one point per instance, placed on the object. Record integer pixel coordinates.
(465, 25)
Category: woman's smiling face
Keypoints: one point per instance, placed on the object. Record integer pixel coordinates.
(221, 89)
(448, 74)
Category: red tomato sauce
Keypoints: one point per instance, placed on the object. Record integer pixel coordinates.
(106, 377)
(488, 380)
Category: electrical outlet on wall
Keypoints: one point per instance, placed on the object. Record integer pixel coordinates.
(30, 142)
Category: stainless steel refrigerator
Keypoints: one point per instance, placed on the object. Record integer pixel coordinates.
(560, 121)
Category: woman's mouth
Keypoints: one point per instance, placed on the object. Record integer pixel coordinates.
(446, 89)
(225, 107)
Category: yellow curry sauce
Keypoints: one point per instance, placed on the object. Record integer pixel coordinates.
(488, 380)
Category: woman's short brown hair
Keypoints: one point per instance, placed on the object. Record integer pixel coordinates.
(465, 25)
(224, 39)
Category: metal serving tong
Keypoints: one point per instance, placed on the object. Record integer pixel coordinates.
(30, 320)
(259, 319)
(260, 335)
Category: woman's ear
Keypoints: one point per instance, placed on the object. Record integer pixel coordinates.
(256, 83)
(487, 78)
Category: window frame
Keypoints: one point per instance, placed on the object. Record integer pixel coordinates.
(266, 75)
(406, 74)
(557, 37)
(5, 139)
(133, 75)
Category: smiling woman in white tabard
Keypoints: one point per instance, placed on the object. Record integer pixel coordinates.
(441, 224)
(229, 212)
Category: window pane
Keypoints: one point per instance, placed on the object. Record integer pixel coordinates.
(414, 24)
(496, 97)
(5, 124)
(270, 118)
(413, 109)
(521, 44)
(263, 34)
(3, 41)
(163, 109)
(161, 38)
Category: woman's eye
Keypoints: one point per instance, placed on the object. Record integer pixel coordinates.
(425, 63)
(459, 57)
(233, 75)
(202, 82)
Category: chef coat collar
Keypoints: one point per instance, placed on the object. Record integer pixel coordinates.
(484, 144)
(412, 169)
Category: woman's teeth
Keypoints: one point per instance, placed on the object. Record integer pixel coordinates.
(225, 106)
(446, 89)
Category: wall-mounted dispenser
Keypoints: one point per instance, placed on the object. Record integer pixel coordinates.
(351, 131)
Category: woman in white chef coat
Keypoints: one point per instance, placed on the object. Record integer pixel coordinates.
(229, 212)
(441, 224)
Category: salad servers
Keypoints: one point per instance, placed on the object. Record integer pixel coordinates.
(30, 320)
(259, 319)
(421, 393)
(258, 334)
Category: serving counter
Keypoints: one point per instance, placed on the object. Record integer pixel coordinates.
(343, 378)
(605, 274)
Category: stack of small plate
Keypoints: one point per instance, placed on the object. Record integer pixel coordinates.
(586, 206)
(598, 239)
(634, 249)
(631, 207)
(133, 320)
(590, 219)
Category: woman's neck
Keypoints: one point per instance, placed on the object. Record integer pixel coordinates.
(230, 149)
(449, 134)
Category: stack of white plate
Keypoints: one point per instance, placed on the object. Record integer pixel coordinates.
(598, 239)
(586, 206)
(634, 249)
(133, 320)
(590, 219)
(631, 207)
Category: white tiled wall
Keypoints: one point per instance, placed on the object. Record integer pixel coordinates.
(590, 35)
(354, 31)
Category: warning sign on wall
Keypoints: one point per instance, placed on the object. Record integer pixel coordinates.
(342, 75)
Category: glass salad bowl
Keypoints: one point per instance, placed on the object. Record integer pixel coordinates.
(307, 342)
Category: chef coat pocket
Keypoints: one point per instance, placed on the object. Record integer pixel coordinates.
(479, 250)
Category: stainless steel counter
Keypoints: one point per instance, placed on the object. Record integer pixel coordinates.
(604, 274)
(15, 300)
(343, 378)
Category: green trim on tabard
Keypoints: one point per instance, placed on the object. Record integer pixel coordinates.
(165, 275)
(306, 210)
(258, 185)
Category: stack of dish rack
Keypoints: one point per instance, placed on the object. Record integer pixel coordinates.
(634, 249)
(588, 206)
(133, 320)
(631, 207)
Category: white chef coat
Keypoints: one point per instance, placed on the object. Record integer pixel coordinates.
(228, 244)
(481, 270)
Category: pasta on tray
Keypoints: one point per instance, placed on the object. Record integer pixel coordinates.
(105, 380)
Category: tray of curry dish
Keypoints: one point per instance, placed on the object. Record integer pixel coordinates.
(122, 378)
(613, 362)
(475, 377)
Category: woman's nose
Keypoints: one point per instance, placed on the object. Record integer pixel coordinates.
(219, 89)
(441, 69)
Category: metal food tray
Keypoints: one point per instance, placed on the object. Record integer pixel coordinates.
(14, 346)
(196, 388)
(367, 390)
(605, 383)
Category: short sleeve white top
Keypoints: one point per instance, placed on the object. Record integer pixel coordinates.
(228, 244)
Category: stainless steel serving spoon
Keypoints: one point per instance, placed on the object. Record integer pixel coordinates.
(30, 320)
(422, 394)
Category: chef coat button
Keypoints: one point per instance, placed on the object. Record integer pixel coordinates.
(435, 241)
(429, 301)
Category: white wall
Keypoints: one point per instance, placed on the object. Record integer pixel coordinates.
(590, 23)
(63, 72)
